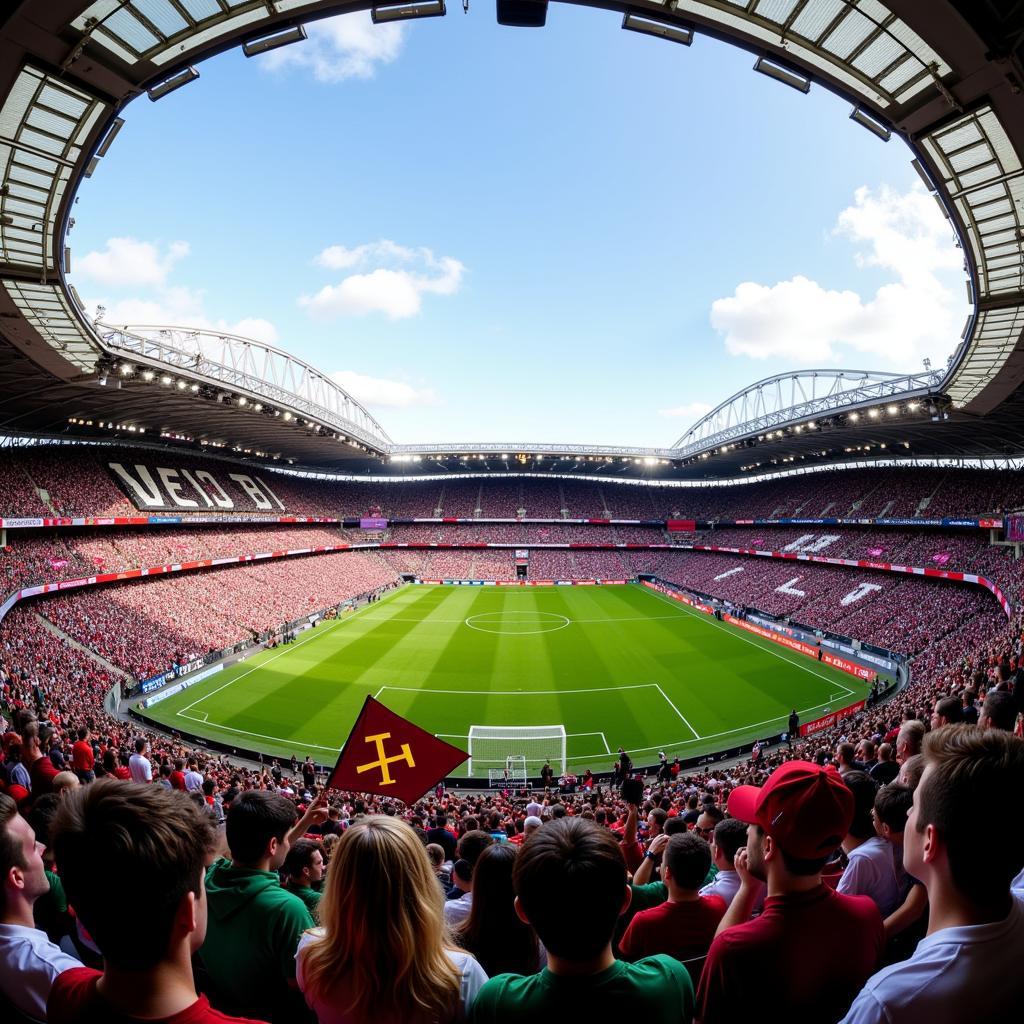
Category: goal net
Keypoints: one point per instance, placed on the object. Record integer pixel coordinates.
(493, 747)
(512, 776)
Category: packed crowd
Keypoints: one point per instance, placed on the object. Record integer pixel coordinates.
(669, 898)
(65, 481)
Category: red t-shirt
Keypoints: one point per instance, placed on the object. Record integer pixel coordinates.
(74, 1000)
(177, 780)
(805, 958)
(82, 759)
(683, 930)
(42, 773)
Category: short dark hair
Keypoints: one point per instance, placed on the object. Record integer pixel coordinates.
(675, 825)
(892, 805)
(1001, 707)
(299, 857)
(950, 708)
(128, 852)
(846, 752)
(254, 818)
(714, 812)
(975, 774)
(472, 844)
(863, 788)
(730, 836)
(10, 848)
(659, 815)
(688, 857)
(571, 881)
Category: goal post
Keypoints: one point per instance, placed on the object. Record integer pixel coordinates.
(503, 747)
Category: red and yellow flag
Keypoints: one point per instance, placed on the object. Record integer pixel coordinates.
(388, 755)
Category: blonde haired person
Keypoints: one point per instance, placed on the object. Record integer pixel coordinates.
(382, 953)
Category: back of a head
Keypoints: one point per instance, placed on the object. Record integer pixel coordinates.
(570, 879)
(128, 853)
(911, 736)
(473, 843)
(951, 709)
(255, 818)
(11, 853)
(730, 836)
(688, 858)
(973, 774)
(892, 805)
(383, 922)
(863, 788)
(1000, 709)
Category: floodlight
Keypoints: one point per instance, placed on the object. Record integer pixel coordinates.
(148, 374)
(407, 12)
(183, 77)
(108, 139)
(674, 33)
(892, 410)
(866, 120)
(263, 44)
(922, 174)
(781, 73)
(873, 413)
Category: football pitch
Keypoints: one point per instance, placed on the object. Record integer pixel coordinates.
(615, 665)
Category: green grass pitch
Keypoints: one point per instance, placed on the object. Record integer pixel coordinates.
(616, 666)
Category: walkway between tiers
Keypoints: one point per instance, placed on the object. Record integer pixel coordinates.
(64, 638)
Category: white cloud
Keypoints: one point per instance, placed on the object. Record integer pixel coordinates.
(348, 46)
(918, 315)
(127, 262)
(392, 287)
(381, 393)
(178, 307)
(690, 411)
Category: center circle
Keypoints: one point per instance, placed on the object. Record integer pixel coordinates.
(521, 623)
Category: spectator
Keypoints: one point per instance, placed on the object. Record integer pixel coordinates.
(999, 711)
(133, 854)
(570, 884)
(440, 866)
(947, 711)
(909, 740)
(968, 965)
(35, 738)
(729, 836)
(493, 933)
(83, 759)
(303, 870)
(353, 970)
(29, 962)
(684, 925)
(457, 910)
(246, 899)
(871, 868)
(886, 769)
(440, 833)
(139, 766)
(846, 759)
(902, 931)
(65, 781)
(797, 819)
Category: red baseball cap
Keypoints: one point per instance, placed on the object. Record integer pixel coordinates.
(805, 808)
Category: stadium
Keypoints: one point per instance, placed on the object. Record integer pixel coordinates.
(212, 553)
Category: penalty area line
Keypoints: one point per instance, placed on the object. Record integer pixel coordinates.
(696, 734)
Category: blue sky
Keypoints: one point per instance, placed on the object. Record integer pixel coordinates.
(573, 234)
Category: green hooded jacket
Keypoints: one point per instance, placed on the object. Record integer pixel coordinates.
(254, 926)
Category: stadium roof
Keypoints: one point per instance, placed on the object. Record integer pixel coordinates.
(946, 75)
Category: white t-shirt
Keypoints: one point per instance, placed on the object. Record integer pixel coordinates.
(957, 974)
(726, 884)
(140, 769)
(333, 1012)
(456, 911)
(534, 809)
(871, 871)
(29, 963)
(193, 781)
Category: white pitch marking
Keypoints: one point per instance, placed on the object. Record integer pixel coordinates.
(768, 650)
(678, 712)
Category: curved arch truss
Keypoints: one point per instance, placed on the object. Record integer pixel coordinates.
(794, 397)
(250, 367)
